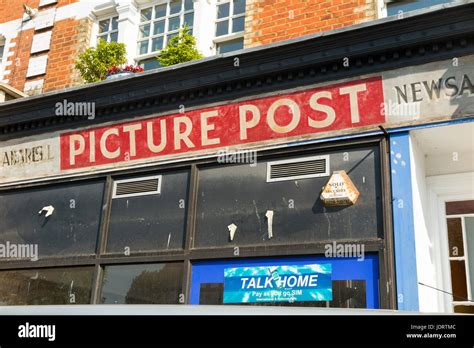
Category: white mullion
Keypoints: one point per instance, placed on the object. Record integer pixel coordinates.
(231, 13)
(181, 15)
(150, 23)
(466, 258)
(459, 216)
(456, 258)
(167, 23)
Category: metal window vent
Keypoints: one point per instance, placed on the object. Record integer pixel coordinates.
(150, 185)
(299, 168)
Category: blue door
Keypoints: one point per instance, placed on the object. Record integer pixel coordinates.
(354, 282)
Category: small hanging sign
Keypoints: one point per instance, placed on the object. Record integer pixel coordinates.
(339, 190)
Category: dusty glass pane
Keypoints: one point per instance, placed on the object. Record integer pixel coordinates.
(460, 207)
(159, 27)
(157, 44)
(114, 23)
(46, 286)
(151, 222)
(144, 31)
(142, 284)
(72, 226)
(188, 5)
(189, 19)
(464, 309)
(239, 6)
(223, 10)
(175, 6)
(143, 47)
(222, 28)
(229, 46)
(469, 223)
(395, 7)
(104, 26)
(458, 280)
(145, 15)
(114, 37)
(160, 11)
(456, 247)
(173, 23)
(148, 64)
(238, 24)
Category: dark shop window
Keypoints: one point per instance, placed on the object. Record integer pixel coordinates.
(346, 294)
(150, 215)
(59, 220)
(46, 286)
(241, 195)
(143, 284)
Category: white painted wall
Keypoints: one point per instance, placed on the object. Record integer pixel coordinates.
(204, 26)
(426, 272)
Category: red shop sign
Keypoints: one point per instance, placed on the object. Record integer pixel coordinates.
(335, 107)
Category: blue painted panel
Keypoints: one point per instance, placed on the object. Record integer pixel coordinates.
(342, 269)
(403, 226)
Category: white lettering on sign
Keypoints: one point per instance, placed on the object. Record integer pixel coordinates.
(247, 124)
(290, 281)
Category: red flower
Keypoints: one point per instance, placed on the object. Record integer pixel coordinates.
(128, 68)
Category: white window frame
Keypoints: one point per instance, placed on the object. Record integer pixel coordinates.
(4, 57)
(2, 52)
(166, 33)
(442, 189)
(464, 258)
(381, 8)
(110, 30)
(230, 36)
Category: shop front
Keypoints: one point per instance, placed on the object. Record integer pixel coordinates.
(286, 179)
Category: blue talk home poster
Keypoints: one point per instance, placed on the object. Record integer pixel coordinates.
(278, 283)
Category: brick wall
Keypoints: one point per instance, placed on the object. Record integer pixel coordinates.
(13, 9)
(70, 38)
(20, 59)
(269, 21)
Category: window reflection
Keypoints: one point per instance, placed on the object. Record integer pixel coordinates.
(142, 284)
(46, 286)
